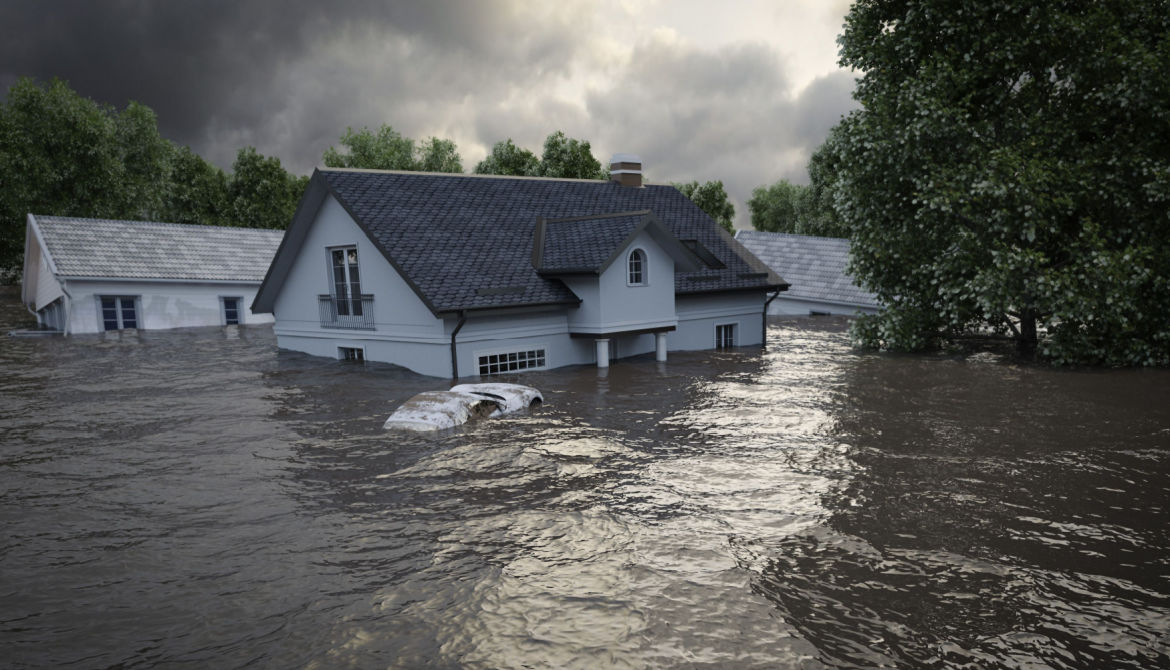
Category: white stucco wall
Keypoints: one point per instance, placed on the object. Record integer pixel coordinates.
(161, 304)
(699, 314)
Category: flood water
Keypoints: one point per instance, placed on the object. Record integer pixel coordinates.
(197, 499)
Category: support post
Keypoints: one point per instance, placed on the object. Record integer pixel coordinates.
(603, 352)
(660, 347)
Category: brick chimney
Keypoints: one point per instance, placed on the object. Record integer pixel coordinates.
(626, 169)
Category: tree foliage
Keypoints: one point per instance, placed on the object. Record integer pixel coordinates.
(66, 155)
(712, 199)
(386, 149)
(508, 159)
(1009, 173)
(785, 207)
(261, 193)
(563, 157)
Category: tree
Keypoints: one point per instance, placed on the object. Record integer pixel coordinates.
(1008, 173)
(197, 191)
(712, 199)
(261, 193)
(384, 150)
(436, 155)
(785, 207)
(508, 159)
(66, 155)
(569, 158)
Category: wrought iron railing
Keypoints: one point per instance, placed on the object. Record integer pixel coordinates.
(350, 313)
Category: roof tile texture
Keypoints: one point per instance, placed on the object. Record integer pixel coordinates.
(148, 250)
(454, 235)
(814, 266)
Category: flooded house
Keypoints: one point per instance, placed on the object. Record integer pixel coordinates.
(457, 275)
(815, 268)
(94, 275)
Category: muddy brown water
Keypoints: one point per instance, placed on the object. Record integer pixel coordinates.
(196, 498)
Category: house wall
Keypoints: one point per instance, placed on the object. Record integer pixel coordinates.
(625, 307)
(47, 288)
(405, 331)
(785, 306)
(161, 305)
(699, 314)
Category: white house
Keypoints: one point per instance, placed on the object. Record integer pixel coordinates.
(94, 275)
(815, 269)
(457, 275)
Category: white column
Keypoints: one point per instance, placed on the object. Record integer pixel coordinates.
(660, 346)
(602, 352)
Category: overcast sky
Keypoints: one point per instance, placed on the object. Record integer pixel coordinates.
(741, 91)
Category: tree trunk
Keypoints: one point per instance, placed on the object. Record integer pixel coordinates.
(1028, 338)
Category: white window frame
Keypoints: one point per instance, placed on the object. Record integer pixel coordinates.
(518, 350)
(118, 309)
(351, 299)
(735, 328)
(644, 271)
(239, 310)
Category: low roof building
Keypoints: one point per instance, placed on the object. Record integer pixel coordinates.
(92, 275)
(815, 268)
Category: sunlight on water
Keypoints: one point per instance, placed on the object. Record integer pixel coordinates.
(197, 498)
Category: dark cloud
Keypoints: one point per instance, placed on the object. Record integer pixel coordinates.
(288, 77)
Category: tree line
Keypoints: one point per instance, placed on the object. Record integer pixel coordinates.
(67, 155)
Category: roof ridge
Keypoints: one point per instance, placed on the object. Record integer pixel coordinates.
(472, 175)
(51, 218)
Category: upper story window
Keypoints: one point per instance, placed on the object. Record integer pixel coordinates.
(347, 287)
(637, 268)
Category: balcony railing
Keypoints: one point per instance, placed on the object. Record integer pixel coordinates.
(349, 313)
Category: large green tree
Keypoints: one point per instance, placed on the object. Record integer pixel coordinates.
(197, 192)
(712, 199)
(1009, 173)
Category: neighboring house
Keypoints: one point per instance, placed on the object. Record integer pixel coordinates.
(457, 275)
(93, 275)
(815, 270)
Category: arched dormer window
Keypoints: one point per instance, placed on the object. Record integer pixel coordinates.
(637, 267)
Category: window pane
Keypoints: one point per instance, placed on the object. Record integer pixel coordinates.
(129, 317)
(231, 311)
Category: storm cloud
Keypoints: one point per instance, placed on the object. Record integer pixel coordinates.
(289, 77)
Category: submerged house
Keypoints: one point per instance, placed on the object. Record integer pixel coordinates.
(94, 275)
(458, 275)
(815, 268)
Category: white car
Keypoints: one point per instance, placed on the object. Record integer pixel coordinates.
(437, 410)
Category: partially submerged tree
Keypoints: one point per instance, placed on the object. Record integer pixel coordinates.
(1009, 172)
(712, 199)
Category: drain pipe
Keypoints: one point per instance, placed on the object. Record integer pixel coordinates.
(454, 356)
(764, 320)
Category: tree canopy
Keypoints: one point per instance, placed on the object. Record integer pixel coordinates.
(66, 155)
(712, 199)
(563, 157)
(1008, 173)
(785, 207)
(508, 159)
(386, 149)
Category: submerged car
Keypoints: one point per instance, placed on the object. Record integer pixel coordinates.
(437, 410)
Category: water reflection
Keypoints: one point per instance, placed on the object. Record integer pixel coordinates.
(219, 503)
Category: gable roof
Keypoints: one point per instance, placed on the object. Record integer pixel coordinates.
(815, 266)
(112, 249)
(591, 244)
(465, 242)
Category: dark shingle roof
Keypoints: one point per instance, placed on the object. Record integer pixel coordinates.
(583, 245)
(461, 239)
(815, 266)
(106, 248)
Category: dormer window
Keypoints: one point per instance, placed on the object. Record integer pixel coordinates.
(637, 268)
